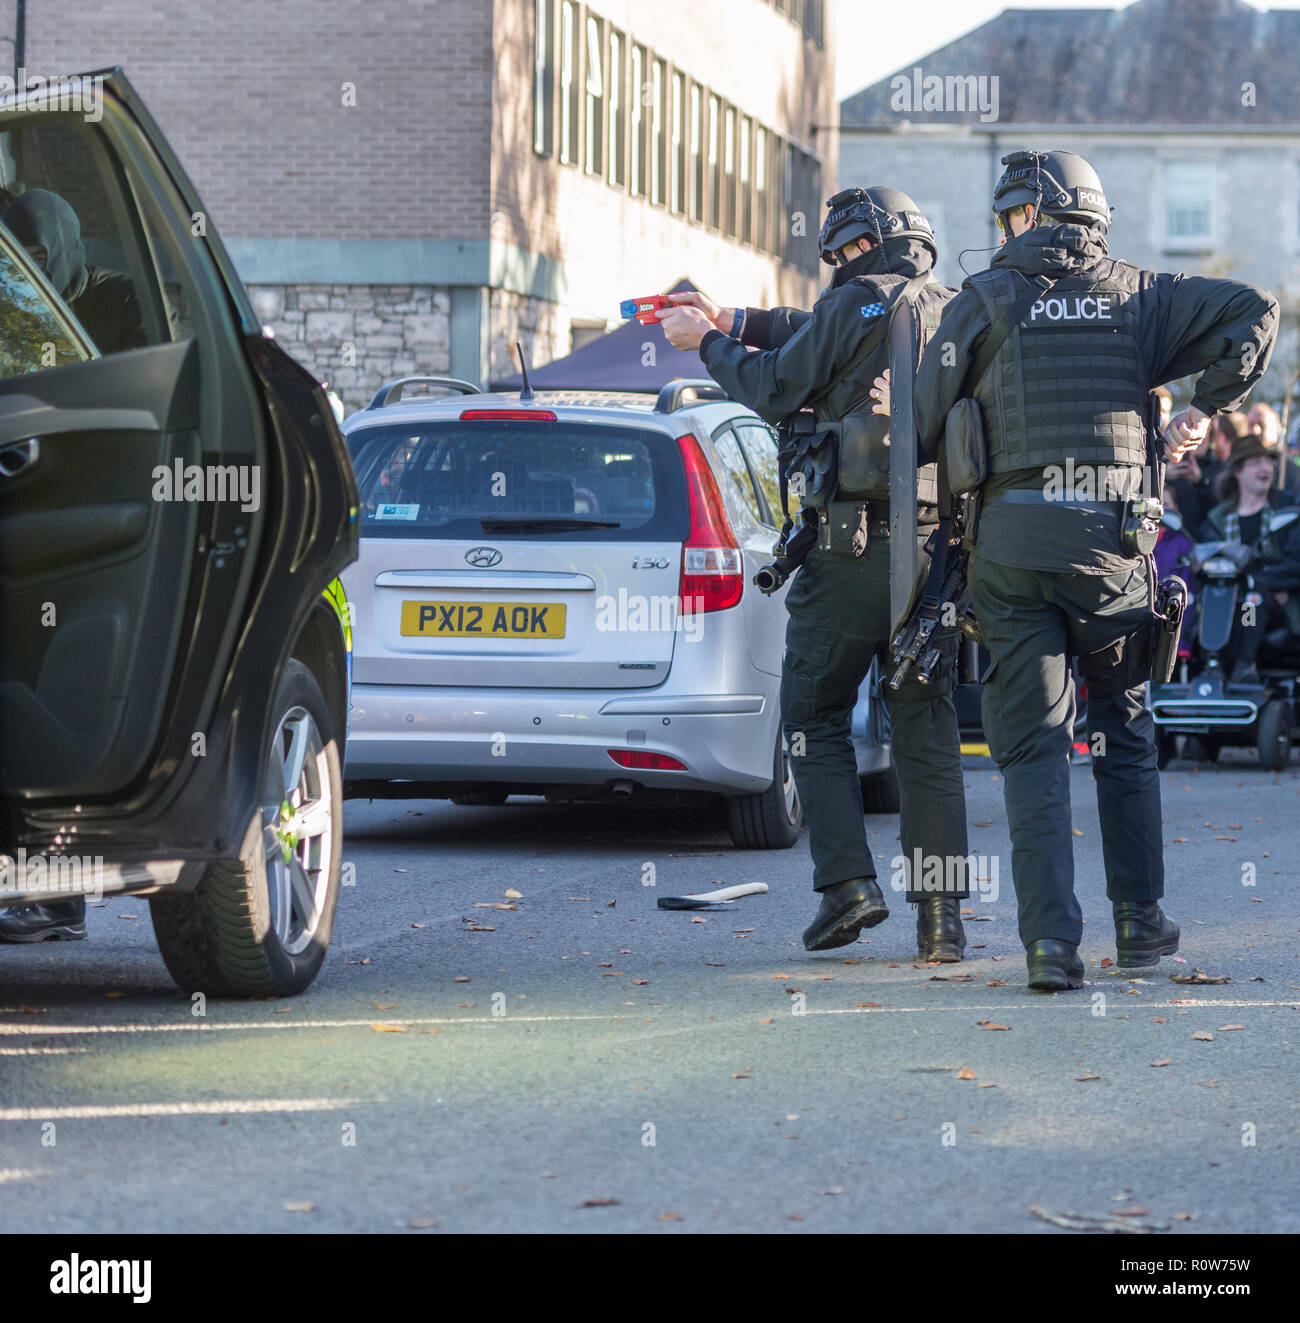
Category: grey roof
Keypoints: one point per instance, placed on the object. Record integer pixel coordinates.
(1156, 62)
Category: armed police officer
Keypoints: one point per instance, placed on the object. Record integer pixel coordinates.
(1059, 345)
(813, 371)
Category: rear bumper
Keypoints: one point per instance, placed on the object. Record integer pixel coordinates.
(548, 737)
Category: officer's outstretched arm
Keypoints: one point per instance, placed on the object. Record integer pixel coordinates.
(1223, 329)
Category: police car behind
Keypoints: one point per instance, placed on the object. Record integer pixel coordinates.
(554, 597)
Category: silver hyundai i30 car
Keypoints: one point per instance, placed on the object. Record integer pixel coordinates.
(554, 597)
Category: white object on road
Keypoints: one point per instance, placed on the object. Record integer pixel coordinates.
(723, 896)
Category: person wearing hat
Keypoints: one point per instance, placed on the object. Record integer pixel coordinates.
(821, 364)
(1053, 352)
(1248, 491)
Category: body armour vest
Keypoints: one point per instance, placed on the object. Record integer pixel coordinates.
(1068, 381)
(847, 408)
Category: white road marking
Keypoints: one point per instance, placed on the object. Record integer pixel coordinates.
(1007, 1008)
(16, 1174)
(40, 1051)
(232, 1107)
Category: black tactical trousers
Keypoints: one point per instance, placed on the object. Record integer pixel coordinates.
(839, 621)
(1033, 622)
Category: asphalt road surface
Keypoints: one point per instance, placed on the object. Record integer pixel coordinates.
(586, 1062)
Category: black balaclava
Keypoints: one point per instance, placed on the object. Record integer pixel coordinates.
(40, 217)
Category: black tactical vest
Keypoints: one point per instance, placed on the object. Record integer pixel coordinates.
(848, 406)
(1068, 380)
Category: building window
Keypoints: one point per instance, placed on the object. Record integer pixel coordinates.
(617, 110)
(729, 171)
(746, 189)
(762, 238)
(715, 163)
(658, 113)
(638, 119)
(594, 118)
(1189, 204)
(544, 78)
(568, 82)
(802, 191)
(697, 154)
(814, 20)
(679, 162)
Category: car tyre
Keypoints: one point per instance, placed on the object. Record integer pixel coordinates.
(773, 818)
(259, 925)
(1273, 735)
(881, 792)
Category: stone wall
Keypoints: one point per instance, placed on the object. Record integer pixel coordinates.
(359, 336)
(542, 328)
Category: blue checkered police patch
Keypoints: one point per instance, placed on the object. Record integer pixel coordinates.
(873, 310)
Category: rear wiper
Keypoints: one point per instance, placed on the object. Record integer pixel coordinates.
(547, 523)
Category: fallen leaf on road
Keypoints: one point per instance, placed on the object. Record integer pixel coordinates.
(1159, 1019)
(670, 1217)
(996, 983)
(1183, 1217)
(382, 1005)
(698, 919)
(399, 870)
(1088, 1076)
(300, 1208)
(966, 1074)
(478, 928)
(985, 1086)
(128, 916)
(1076, 831)
(1200, 1036)
(1180, 840)
(795, 991)
(512, 894)
(640, 982)
(783, 976)
(417, 925)
(996, 957)
(1199, 977)
(1168, 1061)
(431, 1031)
(990, 1024)
(715, 964)
(740, 1075)
(613, 973)
(599, 1203)
(1134, 1211)
(31, 1010)
(1225, 838)
(832, 1189)
(769, 1020)
(1106, 962)
(579, 897)
(1225, 1028)
(114, 994)
(609, 904)
(365, 961)
(491, 905)
(1254, 900)
(389, 1028)
(420, 1223)
(866, 1003)
(461, 978)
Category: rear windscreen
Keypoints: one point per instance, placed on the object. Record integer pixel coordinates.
(573, 481)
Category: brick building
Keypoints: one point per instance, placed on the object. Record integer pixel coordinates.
(411, 185)
(1187, 108)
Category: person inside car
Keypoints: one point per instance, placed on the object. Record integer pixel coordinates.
(1248, 492)
(104, 302)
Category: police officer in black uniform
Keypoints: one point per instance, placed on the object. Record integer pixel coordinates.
(1080, 340)
(823, 362)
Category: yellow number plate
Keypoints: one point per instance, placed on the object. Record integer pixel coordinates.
(483, 620)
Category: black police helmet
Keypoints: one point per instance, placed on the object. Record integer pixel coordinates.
(872, 213)
(1057, 184)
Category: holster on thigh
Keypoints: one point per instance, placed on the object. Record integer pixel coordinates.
(1125, 664)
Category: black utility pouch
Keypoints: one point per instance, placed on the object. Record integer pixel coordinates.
(965, 448)
(846, 528)
(1125, 664)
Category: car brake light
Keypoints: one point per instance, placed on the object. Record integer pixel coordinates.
(508, 416)
(647, 762)
(712, 568)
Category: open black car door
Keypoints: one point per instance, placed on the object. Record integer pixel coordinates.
(153, 490)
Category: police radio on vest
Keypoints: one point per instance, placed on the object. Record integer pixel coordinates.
(1075, 308)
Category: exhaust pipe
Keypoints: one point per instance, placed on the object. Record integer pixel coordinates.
(622, 789)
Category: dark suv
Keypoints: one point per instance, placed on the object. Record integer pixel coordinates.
(175, 505)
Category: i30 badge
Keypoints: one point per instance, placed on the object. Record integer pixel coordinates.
(483, 558)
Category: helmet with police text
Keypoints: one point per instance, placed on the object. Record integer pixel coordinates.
(1059, 185)
(872, 213)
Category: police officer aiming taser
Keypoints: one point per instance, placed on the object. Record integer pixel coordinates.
(813, 376)
(1059, 345)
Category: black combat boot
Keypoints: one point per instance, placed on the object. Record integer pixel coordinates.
(939, 931)
(1143, 933)
(1053, 965)
(60, 921)
(846, 908)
